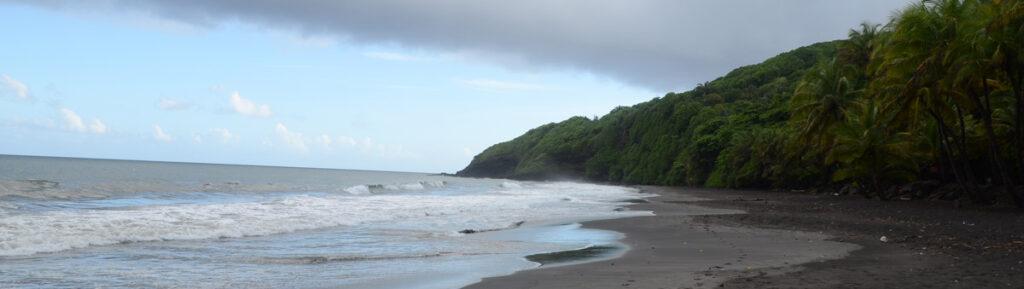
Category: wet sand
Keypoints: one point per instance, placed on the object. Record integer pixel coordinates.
(674, 249)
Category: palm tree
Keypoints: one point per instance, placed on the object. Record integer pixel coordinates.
(820, 102)
(975, 75)
(868, 151)
(860, 46)
(916, 60)
(1006, 28)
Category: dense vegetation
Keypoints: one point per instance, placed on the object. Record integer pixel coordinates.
(927, 105)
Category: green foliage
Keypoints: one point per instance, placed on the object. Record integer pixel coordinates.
(937, 93)
(672, 140)
(869, 152)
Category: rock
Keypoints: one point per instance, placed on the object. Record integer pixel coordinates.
(890, 193)
(884, 239)
(921, 189)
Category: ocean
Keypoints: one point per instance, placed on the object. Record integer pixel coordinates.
(88, 223)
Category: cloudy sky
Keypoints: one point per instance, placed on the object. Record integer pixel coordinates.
(388, 85)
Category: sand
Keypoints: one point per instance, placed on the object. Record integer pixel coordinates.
(676, 249)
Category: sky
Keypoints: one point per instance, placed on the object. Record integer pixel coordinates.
(398, 85)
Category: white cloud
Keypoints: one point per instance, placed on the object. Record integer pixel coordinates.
(292, 139)
(467, 152)
(160, 135)
(173, 104)
(217, 134)
(74, 122)
(19, 88)
(98, 126)
(325, 140)
(248, 108)
(298, 141)
(392, 56)
(498, 85)
(368, 146)
(344, 140)
(224, 134)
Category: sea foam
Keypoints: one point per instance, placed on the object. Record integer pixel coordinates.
(57, 230)
(379, 188)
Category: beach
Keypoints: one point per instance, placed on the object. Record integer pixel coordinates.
(706, 238)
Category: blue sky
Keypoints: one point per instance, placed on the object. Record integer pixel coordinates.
(328, 103)
(398, 85)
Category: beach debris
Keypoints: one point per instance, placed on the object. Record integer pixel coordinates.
(884, 239)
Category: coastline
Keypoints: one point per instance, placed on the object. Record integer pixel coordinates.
(672, 249)
(930, 244)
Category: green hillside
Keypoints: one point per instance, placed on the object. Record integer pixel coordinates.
(931, 99)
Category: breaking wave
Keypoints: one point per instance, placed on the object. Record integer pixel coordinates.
(378, 188)
(57, 230)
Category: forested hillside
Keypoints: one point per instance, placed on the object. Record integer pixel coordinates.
(927, 105)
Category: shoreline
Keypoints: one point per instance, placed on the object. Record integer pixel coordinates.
(929, 244)
(671, 249)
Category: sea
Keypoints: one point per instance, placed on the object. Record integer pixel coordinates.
(91, 223)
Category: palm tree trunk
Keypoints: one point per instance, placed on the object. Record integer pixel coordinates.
(1016, 80)
(986, 113)
(946, 153)
(962, 144)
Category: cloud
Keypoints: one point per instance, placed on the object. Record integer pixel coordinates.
(97, 126)
(344, 140)
(299, 142)
(293, 140)
(658, 44)
(173, 104)
(74, 122)
(248, 108)
(221, 134)
(18, 88)
(392, 56)
(325, 140)
(498, 85)
(160, 135)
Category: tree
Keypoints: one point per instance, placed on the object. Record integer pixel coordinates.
(869, 152)
(820, 102)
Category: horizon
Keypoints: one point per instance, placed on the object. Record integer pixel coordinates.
(222, 84)
(216, 164)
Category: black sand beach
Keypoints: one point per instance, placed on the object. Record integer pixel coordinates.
(700, 239)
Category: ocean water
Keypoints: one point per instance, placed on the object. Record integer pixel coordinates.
(85, 223)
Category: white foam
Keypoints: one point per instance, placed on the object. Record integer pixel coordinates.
(371, 189)
(510, 185)
(52, 231)
(358, 190)
(413, 187)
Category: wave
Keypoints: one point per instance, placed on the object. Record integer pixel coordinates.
(27, 187)
(303, 260)
(509, 227)
(380, 188)
(58, 230)
(511, 185)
